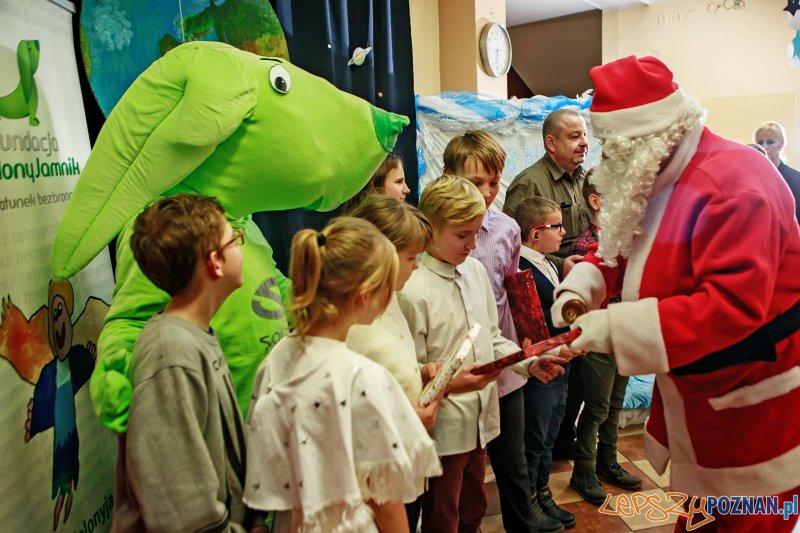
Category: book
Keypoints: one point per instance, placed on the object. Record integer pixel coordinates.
(450, 367)
(531, 351)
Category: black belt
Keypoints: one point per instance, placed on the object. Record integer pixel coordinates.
(760, 346)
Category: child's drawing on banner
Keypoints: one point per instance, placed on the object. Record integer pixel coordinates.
(58, 357)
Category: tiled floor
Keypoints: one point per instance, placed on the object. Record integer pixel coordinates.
(589, 520)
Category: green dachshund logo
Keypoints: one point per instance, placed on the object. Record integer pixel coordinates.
(24, 100)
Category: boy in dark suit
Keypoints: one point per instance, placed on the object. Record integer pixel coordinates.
(540, 221)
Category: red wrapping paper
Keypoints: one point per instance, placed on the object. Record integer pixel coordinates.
(531, 351)
(526, 310)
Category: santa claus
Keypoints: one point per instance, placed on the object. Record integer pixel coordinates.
(699, 235)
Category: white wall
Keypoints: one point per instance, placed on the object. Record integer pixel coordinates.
(734, 61)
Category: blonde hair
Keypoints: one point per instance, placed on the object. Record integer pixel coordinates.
(401, 223)
(477, 144)
(451, 200)
(376, 183)
(329, 268)
(770, 127)
(532, 211)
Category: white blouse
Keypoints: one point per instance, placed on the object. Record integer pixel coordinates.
(329, 430)
(388, 342)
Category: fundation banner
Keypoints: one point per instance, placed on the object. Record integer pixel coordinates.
(57, 461)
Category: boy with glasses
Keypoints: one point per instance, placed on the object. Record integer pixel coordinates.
(542, 230)
(180, 464)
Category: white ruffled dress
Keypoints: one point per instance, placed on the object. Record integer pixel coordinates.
(329, 430)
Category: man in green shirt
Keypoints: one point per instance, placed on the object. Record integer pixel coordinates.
(558, 175)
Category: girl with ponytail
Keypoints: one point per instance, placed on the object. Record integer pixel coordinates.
(334, 445)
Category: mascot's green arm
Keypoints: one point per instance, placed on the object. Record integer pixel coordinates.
(135, 300)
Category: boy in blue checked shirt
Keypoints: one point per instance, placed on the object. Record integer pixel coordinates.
(604, 392)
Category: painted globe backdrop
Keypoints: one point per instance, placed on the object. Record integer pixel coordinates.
(121, 38)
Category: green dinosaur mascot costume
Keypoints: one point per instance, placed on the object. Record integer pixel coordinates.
(258, 134)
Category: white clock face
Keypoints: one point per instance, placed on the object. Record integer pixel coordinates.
(496, 50)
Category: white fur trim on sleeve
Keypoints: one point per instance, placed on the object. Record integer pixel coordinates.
(584, 281)
(637, 339)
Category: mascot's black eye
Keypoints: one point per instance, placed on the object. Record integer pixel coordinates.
(279, 79)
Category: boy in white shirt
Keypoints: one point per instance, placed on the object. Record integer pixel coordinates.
(447, 294)
(476, 156)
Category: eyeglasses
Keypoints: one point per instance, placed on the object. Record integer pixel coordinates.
(559, 227)
(238, 240)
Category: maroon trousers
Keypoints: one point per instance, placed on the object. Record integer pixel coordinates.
(456, 500)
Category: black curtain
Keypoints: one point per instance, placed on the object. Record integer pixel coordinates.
(321, 36)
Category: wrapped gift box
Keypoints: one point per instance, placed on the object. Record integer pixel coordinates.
(526, 310)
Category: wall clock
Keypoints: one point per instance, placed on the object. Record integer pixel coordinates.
(495, 49)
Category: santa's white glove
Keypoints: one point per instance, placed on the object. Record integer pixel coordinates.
(558, 305)
(595, 332)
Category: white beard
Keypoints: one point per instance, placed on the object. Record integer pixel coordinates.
(625, 181)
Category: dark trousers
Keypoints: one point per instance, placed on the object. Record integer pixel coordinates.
(567, 431)
(544, 409)
(456, 500)
(413, 511)
(507, 454)
(604, 392)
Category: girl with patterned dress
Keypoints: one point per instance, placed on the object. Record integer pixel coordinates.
(334, 445)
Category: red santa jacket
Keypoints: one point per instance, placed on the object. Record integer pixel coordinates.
(719, 258)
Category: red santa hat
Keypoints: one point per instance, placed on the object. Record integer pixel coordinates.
(634, 97)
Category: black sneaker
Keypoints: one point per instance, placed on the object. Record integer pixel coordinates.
(588, 486)
(547, 524)
(550, 508)
(613, 473)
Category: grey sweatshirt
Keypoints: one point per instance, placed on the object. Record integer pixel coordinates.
(180, 465)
